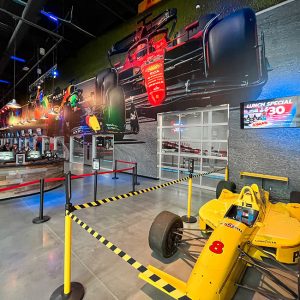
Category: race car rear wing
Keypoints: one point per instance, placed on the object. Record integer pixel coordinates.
(143, 31)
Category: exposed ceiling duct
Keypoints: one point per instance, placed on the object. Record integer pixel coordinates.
(31, 13)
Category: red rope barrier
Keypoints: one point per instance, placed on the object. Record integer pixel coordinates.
(115, 171)
(19, 185)
(101, 173)
(126, 162)
(60, 179)
(82, 175)
(54, 179)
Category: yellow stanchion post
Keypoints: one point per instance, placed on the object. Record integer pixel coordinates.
(226, 173)
(67, 255)
(68, 290)
(188, 218)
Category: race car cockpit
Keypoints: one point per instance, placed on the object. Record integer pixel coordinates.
(245, 215)
(247, 206)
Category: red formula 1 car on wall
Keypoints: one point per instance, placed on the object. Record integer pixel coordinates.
(212, 56)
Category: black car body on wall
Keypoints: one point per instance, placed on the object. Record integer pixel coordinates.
(212, 56)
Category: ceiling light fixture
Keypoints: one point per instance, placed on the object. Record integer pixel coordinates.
(13, 103)
(44, 117)
(52, 112)
(5, 81)
(50, 16)
(13, 57)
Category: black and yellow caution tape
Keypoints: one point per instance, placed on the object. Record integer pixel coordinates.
(166, 287)
(139, 192)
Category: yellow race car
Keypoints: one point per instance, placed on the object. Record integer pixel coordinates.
(246, 228)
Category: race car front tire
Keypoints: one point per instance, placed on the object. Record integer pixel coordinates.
(162, 239)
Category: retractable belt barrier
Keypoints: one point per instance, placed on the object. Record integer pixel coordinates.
(139, 192)
(76, 289)
(12, 187)
(168, 288)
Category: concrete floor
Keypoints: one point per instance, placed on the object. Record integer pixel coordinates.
(31, 265)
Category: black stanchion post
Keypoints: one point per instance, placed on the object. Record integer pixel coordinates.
(68, 186)
(41, 218)
(133, 179)
(69, 290)
(95, 185)
(116, 168)
(136, 175)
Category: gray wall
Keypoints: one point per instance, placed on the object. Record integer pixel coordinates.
(141, 148)
(268, 151)
(272, 151)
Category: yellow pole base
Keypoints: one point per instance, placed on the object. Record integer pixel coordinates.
(77, 292)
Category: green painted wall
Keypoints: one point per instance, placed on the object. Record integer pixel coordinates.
(91, 58)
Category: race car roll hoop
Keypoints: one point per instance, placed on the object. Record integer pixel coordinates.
(75, 290)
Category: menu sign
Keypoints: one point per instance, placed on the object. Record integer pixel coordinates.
(280, 112)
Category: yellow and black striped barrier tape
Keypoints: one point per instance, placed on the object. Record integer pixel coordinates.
(166, 287)
(139, 192)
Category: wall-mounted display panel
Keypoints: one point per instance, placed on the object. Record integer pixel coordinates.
(272, 113)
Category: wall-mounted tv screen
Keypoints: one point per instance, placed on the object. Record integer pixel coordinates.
(33, 155)
(271, 113)
(7, 156)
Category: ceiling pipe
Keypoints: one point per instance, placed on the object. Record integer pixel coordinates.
(32, 24)
(128, 7)
(31, 11)
(35, 65)
(111, 11)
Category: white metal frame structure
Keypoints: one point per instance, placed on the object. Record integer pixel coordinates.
(200, 134)
(108, 165)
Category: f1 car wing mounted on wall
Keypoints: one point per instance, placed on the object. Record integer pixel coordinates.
(144, 30)
(210, 57)
(247, 228)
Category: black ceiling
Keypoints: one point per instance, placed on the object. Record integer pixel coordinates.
(93, 16)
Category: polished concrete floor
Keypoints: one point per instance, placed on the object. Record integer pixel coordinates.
(31, 264)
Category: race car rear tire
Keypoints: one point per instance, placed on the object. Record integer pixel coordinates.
(162, 239)
(224, 184)
(105, 80)
(100, 77)
(232, 47)
(116, 110)
(295, 197)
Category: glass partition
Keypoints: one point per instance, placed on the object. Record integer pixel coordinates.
(59, 142)
(76, 149)
(45, 144)
(103, 148)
